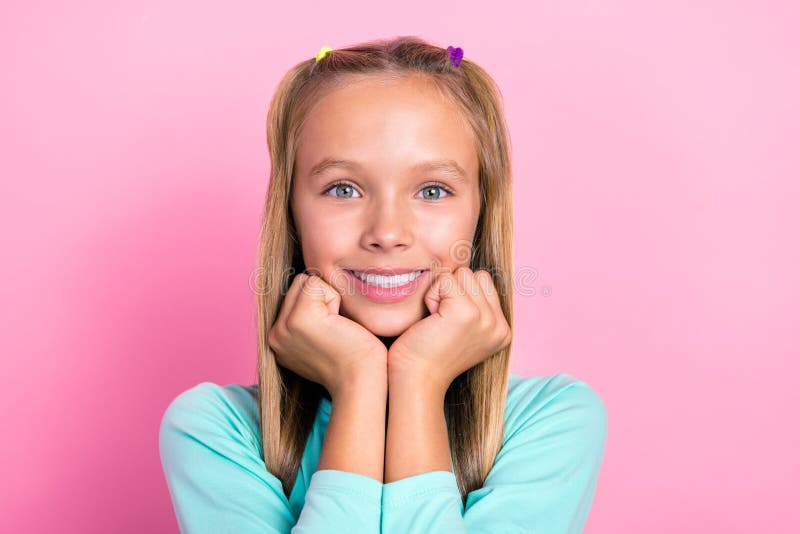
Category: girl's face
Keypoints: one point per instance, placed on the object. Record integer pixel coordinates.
(393, 209)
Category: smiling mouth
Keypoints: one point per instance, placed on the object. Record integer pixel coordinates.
(387, 281)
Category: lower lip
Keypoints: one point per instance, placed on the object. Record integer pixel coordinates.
(387, 294)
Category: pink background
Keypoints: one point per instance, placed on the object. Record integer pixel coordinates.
(656, 188)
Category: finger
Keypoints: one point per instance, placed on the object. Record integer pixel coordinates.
(441, 289)
(472, 280)
(490, 290)
(290, 299)
(318, 292)
(286, 307)
(469, 286)
(331, 298)
(494, 300)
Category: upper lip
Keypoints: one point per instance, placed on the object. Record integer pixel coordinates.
(388, 271)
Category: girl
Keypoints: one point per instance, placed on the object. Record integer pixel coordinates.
(384, 400)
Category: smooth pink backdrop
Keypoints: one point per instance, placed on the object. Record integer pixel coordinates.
(656, 187)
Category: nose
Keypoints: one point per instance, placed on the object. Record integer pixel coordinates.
(389, 227)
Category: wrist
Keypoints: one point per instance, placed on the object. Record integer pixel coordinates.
(367, 382)
(424, 383)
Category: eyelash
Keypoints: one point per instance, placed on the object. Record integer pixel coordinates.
(342, 182)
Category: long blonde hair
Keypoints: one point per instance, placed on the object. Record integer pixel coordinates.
(475, 401)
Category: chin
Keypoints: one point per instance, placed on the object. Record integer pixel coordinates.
(389, 329)
(388, 323)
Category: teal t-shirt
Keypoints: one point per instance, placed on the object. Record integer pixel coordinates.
(543, 480)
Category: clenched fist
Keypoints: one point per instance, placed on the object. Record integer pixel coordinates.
(310, 338)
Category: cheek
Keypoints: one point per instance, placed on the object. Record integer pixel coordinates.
(447, 236)
(325, 238)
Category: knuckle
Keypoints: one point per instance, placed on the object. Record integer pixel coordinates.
(293, 323)
(490, 325)
(507, 336)
(472, 314)
(446, 283)
(274, 336)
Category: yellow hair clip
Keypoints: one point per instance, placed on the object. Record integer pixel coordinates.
(324, 51)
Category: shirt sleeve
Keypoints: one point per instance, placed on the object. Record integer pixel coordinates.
(218, 482)
(543, 480)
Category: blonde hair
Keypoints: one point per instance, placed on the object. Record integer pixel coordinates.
(475, 401)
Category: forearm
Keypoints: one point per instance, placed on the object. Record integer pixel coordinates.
(355, 436)
(416, 434)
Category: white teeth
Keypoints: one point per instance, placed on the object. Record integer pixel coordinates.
(387, 281)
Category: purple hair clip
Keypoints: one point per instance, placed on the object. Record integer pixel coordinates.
(455, 55)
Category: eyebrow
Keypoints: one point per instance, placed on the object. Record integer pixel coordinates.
(447, 166)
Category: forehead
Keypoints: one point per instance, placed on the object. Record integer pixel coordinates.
(386, 122)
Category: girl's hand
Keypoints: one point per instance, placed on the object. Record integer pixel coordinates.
(466, 326)
(313, 340)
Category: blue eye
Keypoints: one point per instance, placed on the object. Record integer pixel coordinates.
(341, 186)
(433, 187)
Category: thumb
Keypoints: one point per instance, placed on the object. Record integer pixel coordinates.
(322, 293)
(438, 297)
